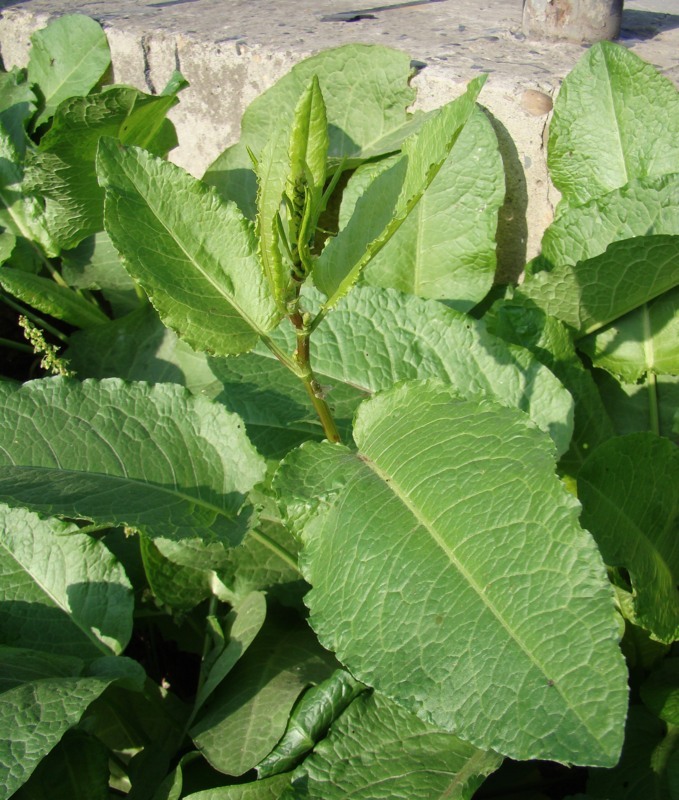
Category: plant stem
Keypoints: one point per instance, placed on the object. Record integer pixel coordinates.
(654, 417)
(313, 388)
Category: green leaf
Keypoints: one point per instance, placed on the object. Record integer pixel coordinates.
(615, 119)
(17, 104)
(358, 121)
(62, 591)
(378, 337)
(660, 691)
(244, 622)
(436, 253)
(651, 405)
(34, 717)
(269, 789)
(179, 586)
(20, 213)
(550, 341)
(378, 751)
(67, 59)
(62, 169)
(76, 769)
(392, 196)
(596, 291)
(643, 341)
(643, 207)
(46, 296)
(454, 537)
(628, 490)
(150, 457)
(309, 722)
(138, 347)
(194, 255)
(95, 264)
(644, 767)
(19, 665)
(253, 706)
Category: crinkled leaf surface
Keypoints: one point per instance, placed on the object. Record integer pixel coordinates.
(454, 538)
(551, 342)
(34, 717)
(379, 751)
(643, 207)
(44, 295)
(62, 170)
(392, 196)
(615, 119)
(253, 706)
(628, 489)
(150, 457)
(378, 337)
(61, 591)
(194, 255)
(446, 246)
(67, 59)
(643, 341)
(594, 292)
(366, 92)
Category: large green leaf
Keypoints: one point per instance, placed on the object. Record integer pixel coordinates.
(62, 169)
(34, 717)
(150, 457)
(194, 255)
(446, 246)
(660, 691)
(643, 341)
(392, 196)
(366, 92)
(591, 293)
(450, 551)
(20, 665)
(253, 706)
(379, 751)
(643, 207)
(378, 337)
(67, 59)
(628, 490)
(62, 591)
(615, 119)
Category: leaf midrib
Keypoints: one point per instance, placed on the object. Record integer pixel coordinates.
(389, 481)
(180, 244)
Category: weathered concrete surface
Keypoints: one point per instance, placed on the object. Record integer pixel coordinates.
(231, 50)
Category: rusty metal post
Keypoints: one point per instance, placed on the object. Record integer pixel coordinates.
(576, 20)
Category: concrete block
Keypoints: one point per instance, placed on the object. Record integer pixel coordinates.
(232, 50)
